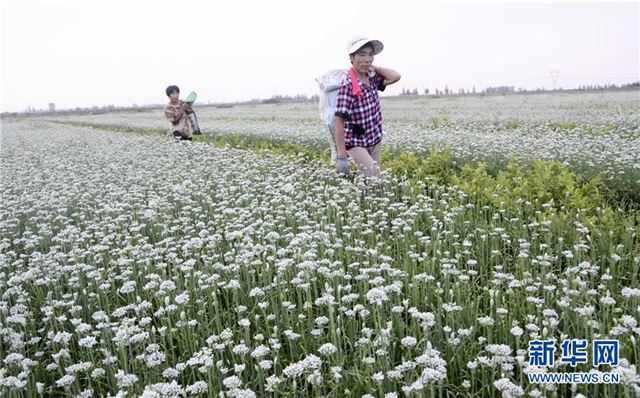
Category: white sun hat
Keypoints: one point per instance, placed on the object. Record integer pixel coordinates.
(357, 42)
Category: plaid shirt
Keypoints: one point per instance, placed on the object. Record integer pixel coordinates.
(363, 119)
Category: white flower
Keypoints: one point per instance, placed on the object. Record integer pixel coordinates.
(199, 387)
(377, 296)
(88, 341)
(241, 349)
(629, 321)
(630, 292)
(13, 358)
(451, 307)
(125, 380)
(97, 373)
(265, 364)
(288, 188)
(128, 287)
(499, 349)
(294, 370)
(272, 383)
(65, 381)
(517, 331)
(607, 300)
(232, 382)
(170, 373)
(182, 298)
(168, 286)
(486, 321)
(163, 390)
(409, 341)
(327, 349)
(508, 388)
(260, 351)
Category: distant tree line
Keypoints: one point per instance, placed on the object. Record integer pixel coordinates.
(278, 99)
(511, 89)
(608, 86)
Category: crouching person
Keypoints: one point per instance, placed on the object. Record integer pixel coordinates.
(358, 114)
(176, 114)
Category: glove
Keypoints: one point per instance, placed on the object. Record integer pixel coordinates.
(342, 167)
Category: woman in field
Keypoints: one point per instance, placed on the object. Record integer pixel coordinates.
(358, 115)
(176, 113)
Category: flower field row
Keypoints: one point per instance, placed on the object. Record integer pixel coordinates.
(134, 266)
(592, 133)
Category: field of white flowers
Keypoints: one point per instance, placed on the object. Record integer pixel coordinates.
(593, 133)
(134, 266)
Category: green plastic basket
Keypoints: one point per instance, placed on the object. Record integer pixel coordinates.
(191, 98)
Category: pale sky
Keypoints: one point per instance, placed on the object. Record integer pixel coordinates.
(81, 53)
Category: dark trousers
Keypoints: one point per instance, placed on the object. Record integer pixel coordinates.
(178, 136)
